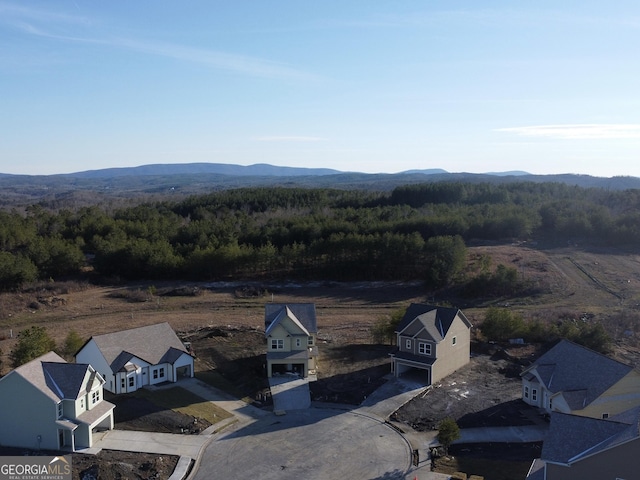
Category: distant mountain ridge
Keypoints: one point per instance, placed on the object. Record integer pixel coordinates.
(258, 169)
(162, 181)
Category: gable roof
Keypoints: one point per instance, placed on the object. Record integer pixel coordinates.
(54, 377)
(435, 320)
(303, 314)
(153, 343)
(581, 374)
(573, 437)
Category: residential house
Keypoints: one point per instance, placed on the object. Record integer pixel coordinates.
(50, 404)
(570, 378)
(587, 448)
(291, 330)
(130, 359)
(432, 341)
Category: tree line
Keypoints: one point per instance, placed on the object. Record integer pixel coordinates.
(414, 232)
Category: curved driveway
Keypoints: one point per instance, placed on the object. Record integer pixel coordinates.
(311, 444)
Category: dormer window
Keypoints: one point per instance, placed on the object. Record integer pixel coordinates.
(95, 397)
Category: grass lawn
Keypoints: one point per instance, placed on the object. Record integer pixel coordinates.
(216, 380)
(183, 401)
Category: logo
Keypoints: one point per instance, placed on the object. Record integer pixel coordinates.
(35, 468)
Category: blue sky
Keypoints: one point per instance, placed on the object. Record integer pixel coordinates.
(359, 85)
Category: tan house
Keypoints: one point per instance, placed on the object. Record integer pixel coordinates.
(587, 448)
(50, 404)
(433, 342)
(130, 359)
(570, 378)
(290, 330)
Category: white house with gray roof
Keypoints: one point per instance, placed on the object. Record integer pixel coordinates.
(50, 404)
(433, 342)
(570, 378)
(130, 359)
(291, 331)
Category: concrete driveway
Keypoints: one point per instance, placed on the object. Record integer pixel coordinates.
(289, 393)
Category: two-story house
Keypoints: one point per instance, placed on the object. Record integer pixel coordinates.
(48, 403)
(432, 341)
(570, 378)
(290, 330)
(130, 359)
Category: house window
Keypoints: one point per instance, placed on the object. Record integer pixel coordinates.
(551, 404)
(277, 344)
(526, 392)
(95, 397)
(82, 403)
(131, 381)
(60, 410)
(605, 416)
(123, 383)
(161, 372)
(534, 394)
(297, 342)
(424, 348)
(454, 340)
(155, 374)
(408, 344)
(310, 340)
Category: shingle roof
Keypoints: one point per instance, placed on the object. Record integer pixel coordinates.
(304, 313)
(582, 375)
(154, 344)
(53, 376)
(572, 437)
(436, 320)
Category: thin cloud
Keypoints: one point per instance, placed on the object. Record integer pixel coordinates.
(40, 23)
(578, 131)
(289, 139)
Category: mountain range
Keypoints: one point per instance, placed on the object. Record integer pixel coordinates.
(159, 180)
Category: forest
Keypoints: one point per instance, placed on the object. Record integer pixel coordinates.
(414, 232)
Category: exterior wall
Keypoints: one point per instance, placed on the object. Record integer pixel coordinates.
(620, 397)
(91, 355)
(534, 394)
(279, 332)
(20, 400)
(622, 462)
(451, 357)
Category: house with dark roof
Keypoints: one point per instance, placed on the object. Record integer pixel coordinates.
(589, 448)
(570, 378)
(432, 342)
(130, 359)
(50, 404)
(291, 330)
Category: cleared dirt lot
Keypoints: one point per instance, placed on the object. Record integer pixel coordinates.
(225, 324)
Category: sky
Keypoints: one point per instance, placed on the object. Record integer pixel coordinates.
(361, 85)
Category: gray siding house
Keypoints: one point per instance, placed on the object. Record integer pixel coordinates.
(290, 330)
(432, 342)
(48, 403)
(130, 359)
